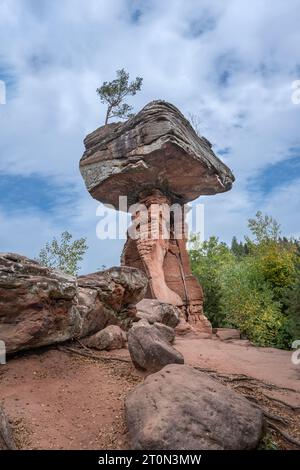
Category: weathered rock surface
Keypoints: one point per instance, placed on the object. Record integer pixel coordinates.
(41, 306)
(146, 152)
(155, 311)
(111, 337)
(7, 441)
(149, 349)
(227, 333)
(109, 296)
(181, 408)
(167, 332)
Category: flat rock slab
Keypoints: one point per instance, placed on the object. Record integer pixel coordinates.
(181, 408)
(157, 148)
(226, 334)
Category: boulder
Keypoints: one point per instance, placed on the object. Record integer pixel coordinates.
(111, 337)
(7, 441)
(180, 408)
(165, 331)
(155, 311)
(41, 306)
(227, 333)
(148, 348)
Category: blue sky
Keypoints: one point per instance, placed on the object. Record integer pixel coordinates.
(232, 63)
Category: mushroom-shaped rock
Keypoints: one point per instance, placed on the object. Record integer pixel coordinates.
(156, 159)
(157, 148)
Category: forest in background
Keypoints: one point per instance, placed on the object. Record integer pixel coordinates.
(252, 285)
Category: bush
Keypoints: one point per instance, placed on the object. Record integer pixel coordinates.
(63, 254)
(248, 304)
(253, 286)
(207, 259)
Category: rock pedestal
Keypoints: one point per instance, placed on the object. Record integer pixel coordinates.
(159, 250)
(156, 160)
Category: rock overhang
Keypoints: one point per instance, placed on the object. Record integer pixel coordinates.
(156, 149)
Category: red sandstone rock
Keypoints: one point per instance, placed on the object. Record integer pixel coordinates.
(181, 408)
(111, 337)
(41, 306)
(156, 159)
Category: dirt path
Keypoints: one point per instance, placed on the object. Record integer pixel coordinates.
(58, 400)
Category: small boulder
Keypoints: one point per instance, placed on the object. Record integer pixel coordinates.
(148, 348)
(226, 334)
(167, 332)
(111, 337)
(181, 408)
(155, 311)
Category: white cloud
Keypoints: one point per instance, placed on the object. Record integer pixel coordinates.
(59, 52)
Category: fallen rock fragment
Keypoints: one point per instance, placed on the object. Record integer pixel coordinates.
(226, 334)
(148, 348)
(111, 337)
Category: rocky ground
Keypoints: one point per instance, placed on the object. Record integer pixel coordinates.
(58, 399)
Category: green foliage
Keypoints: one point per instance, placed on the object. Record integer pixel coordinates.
(253, 286)
(292, 303)
(267, 442)
(264, 227)
(113, 93)
(207, 260)
(64, 254)
(239, 249)
(248, 304)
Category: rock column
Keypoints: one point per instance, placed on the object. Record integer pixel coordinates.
(156, 244)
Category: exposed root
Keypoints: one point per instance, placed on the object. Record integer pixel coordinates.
(93, 356)
(275, 410)
(286, 436)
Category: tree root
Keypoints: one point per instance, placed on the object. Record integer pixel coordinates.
(286, 436)
(243, 377)
(93, 356)
(243, 384)
(282, 402)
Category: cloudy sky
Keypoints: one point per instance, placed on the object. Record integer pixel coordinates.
(230, 62)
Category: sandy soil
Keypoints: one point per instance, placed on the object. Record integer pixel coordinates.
(58, 400)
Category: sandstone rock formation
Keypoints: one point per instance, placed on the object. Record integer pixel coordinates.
(157, 160)
(41, 306)
(149, 348)
(155, 311)
(111, 337)
(180, 408)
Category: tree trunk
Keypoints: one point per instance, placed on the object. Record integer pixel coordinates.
(107, 114)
